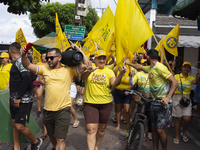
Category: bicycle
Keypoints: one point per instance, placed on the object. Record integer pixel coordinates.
(136, 127)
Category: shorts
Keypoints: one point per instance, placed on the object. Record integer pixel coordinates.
(121, 98)
(57, 122)
(178, 110)
(97, 113)
(161, 116)
(21, 114)
(73, 90)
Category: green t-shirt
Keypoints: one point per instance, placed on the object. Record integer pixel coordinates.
(141, 79)
(158, 75)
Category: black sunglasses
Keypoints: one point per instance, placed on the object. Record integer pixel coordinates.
(51, 57)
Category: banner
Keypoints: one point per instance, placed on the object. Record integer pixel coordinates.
(20, 38)
(171, 41)
(36, 55)
(131, 28)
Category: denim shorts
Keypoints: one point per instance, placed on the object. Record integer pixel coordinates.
(161, 116)
(121, 98)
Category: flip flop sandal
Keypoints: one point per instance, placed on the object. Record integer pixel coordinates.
(124, 121)
(114, 120)
(185, 138)
(75, 125)
(176, 141)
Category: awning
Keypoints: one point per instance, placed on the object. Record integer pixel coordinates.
(187, 8)
(185, 41)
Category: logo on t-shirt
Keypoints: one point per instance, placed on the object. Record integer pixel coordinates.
(98, 79)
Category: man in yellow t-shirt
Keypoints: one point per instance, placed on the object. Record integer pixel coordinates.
(159, 78)
(57, 104)
(4, 71)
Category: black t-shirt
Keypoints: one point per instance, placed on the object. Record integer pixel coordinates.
(20, 82)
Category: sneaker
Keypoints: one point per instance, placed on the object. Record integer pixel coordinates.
(37, 146)
(39, 113)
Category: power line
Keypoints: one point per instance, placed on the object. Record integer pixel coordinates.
(115, 2)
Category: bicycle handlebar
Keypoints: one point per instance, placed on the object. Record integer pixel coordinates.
(149, 99)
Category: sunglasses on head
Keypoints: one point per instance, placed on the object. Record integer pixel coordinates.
(51, 57)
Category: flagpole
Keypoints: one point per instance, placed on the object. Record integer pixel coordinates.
(162, 53)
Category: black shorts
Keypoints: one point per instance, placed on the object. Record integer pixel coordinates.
(97, 113)
(121, 98)
(21, 114)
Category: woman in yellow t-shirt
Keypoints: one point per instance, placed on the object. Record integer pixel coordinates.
(5, 71)
(98, 98)
(179, 111)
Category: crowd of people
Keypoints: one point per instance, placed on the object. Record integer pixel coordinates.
(97, 84)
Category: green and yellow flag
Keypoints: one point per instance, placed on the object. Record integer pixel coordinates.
(20, 38)
(131, 28)
(36, 55)
(171, 41)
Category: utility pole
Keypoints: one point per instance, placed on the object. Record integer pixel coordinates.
(102, 9)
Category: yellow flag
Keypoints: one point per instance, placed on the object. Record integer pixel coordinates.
(161, 52)
(36, 55)
(131, 28)
(63, 44)
(110, 47)
(89, 47)
(141, 50)
(59, 34)
(171, 41)
(104, 28)
(20, 38)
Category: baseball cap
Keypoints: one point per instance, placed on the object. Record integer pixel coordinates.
(143, 61)
(4, 55)
(100, 53)
(187, 63)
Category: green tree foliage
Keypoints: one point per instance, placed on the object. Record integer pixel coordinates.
(22, 6)
(43, 22)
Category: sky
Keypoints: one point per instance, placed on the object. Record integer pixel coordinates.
(10, 23)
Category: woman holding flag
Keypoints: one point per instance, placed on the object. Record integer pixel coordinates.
(98, 98)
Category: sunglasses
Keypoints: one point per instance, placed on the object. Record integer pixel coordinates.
(51, 57)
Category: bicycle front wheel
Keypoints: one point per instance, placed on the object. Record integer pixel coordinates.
(136, 137)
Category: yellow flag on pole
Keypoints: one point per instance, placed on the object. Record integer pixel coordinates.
(104, 27)
(59, 34)
(89, 47)
(171, 41)
(131, 28)
(63, 44)
(20, 38)
(141, 50)
(36, 55)
(110, 47)
(161, 52)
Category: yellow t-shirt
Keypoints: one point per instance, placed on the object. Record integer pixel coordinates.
(141, 79)
(186, 84)
(57, 86)
(97, 87)
(124, 84)
(4, 75)
(158, 75)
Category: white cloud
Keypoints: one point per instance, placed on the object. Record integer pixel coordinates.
(10, 23)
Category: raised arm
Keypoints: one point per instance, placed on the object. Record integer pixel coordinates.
(116, 81)
(136, 66)
(196, 80)
(26, 63)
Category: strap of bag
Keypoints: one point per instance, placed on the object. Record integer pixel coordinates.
(181, 90)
